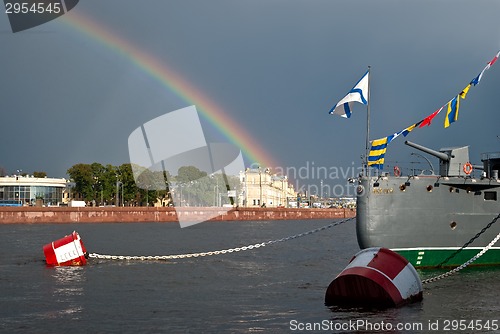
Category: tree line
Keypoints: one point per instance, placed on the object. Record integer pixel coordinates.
(100, 184)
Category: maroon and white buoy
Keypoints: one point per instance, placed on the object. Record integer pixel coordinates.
(68, 251)
(375, 277)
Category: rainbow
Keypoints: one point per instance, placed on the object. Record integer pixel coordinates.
(167, 77)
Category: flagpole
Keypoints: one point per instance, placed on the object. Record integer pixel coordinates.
(367, 123)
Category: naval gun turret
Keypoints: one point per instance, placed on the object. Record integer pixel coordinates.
(451, 160)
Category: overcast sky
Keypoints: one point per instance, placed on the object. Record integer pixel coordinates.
(275, 67)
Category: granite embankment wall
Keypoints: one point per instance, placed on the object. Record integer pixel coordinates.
(32, 215)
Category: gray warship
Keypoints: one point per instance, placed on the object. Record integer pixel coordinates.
(428, 217)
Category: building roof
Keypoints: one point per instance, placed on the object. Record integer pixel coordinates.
(17, 180)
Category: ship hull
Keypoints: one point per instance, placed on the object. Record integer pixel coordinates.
(427, 218)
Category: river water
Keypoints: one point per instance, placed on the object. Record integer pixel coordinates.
(279, 288)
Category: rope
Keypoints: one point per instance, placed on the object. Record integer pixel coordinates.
(457, 269)
(218, 252)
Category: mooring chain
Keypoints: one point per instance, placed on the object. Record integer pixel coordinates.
(218, 252)
(457, 269)
(469, 242)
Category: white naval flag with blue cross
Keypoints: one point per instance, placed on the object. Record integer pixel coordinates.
(359, 93)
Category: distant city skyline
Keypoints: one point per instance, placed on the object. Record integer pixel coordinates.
(76, 87)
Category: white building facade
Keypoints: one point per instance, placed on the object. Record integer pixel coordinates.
(263, 189)
(25, 190)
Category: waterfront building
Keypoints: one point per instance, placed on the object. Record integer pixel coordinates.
(26, 190)
(263, 189)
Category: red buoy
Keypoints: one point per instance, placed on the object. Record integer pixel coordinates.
(68, 251)
(375, 277)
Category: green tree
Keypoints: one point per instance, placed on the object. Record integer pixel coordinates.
(141, 185)
(94, 181)
(194, 188)
(189, 173)
(82, 175)
(152, 185)
(109, 178)
(130, 189)
(40, 174)
(98, 180)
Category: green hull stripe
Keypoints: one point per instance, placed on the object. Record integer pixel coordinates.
(422, 258)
